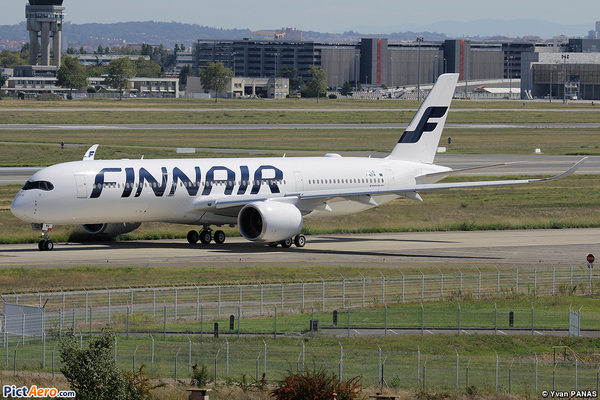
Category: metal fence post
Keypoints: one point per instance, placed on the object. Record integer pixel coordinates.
(127, 322)
(226, 357)
(496, 370)
(165, 321)
(422, 284)
(536, 373)
(458, 318)
(456, 368)
(219, 303)
(495, 319)
(177, 354)
(418, 366)
(108, 290)
(532, 324)
(202, 321)
(323, 296)
(86, 304)
(152, 355)
(265, 358)
(497, 280)
(261, 298)
(131, 290)
(479, 284)
(189, 356)
(197, 301)
(302, 293)
(275, 334)
(402, 286)
(153, 302)
(175, 302)
(341, 359)
(534, 278)
(516, 278)
(385, 321)
(422, 320)
(553, 277)
(363, 289)
(382, 287)
(135, 351)
(441, 283)
(460, 285)
(344, 291)
(239, 317)
(281, 294)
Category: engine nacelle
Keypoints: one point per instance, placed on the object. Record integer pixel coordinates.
(111, 229)
(269, 221)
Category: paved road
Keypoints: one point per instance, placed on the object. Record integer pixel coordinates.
(54, 127)
(560, 246)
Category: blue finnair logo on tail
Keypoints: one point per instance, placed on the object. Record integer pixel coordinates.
(424, 124)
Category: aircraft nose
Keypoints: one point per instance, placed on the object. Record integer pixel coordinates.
(19, 207)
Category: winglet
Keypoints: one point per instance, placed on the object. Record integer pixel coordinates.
(90, 153)
(568, 172)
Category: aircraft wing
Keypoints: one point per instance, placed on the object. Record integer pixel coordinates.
(365, 195)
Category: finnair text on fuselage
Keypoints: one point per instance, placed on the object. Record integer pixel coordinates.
(264, 174)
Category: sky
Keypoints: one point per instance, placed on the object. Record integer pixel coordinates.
(312, 15)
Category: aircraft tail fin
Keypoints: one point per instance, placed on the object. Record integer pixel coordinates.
(421, 138)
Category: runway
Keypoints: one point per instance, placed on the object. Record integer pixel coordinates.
(560, 246)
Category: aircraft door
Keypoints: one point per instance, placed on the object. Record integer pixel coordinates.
(390, 177)
(299, 181)
(81, 186)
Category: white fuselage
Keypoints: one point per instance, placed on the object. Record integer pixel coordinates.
(189, 191)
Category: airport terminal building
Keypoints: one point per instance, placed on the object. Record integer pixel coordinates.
(375, 62)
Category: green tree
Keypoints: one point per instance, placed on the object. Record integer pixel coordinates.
(292, 74)
(346, 89)
(92, 372)
(146, 68)
(100, 49)
(71, 74)
(3, 80)
(215, 77)
(9, 59)
(82, 50)
(70, 50)
(186, 71)
(120, 71)
(317, 86)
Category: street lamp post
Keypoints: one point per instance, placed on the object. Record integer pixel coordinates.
(419, 40)
(356, 71)
(565, 57)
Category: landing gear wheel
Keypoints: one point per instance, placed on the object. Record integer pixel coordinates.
(205, 236)
(287, 243)
(300, 240)
(193, 237)
(46, 245)
(219, 237)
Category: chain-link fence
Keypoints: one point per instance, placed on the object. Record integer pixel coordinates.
(174, 358)
(148, 319)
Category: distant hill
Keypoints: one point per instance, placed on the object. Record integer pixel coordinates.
(169, 33)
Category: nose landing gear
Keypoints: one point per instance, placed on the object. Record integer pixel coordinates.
(45, 244)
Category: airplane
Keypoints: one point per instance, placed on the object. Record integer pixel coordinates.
(267, 198)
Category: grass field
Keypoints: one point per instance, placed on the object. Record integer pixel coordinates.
(557, 204)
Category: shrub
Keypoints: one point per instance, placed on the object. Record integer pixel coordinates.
(199, 375)
(316, 385)
(333, 96)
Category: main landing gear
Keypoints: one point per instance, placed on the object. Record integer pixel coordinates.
(299, 241)
(206, 236)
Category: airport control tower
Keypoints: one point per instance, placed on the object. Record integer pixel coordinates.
(45, 16)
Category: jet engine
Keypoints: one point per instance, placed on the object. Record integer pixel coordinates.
(269, 221)
(111, 229)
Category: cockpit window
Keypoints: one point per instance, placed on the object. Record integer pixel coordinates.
(42, 185)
